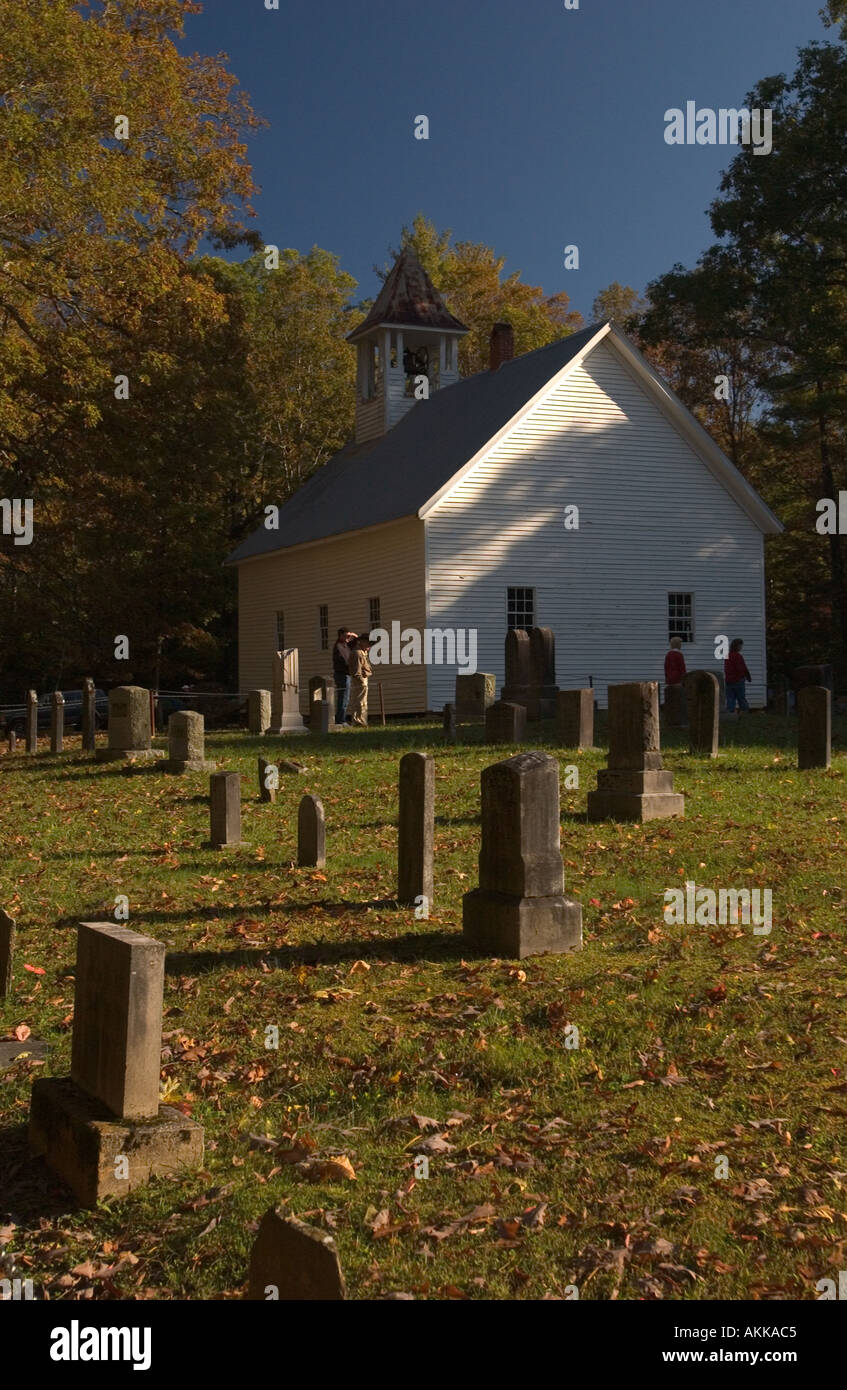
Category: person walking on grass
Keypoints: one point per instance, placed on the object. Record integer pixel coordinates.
(736, 673)
(360, 674)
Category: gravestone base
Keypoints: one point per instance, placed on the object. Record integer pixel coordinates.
(226, 844)
(191, 765)
(634, 796)
(80, 1141)
(498, 924)
(128, 755)
(291, 724)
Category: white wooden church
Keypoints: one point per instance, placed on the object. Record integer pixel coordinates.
(567, 488)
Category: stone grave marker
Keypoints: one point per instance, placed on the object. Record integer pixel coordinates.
(13, 741)
(293, 1262)
(225, 810)
(285, 694)
(449, 723)
(519, 908)
(57, 722)
(311, 833)
(268, 780)
(542, 673)
(258, 711)
(31, 722)
(575, 718)
(518, 668)
(702, 693)
(89, 716)
(634, 787)
(187, 743)
(505, 722)
(7, 952)
(416, 828)
(474, 694)
(130, 735)
(814, 729)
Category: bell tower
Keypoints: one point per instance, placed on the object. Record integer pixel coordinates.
(407, 348)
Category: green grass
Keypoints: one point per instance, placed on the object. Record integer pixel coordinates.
(695, 1042)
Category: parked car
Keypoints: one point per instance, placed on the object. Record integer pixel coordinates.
(14, 716)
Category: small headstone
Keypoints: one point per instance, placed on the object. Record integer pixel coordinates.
(285, 693)
(473, 696)
(268, 780)
(293, 1262)
(89, 716)
(258, 711)
(449, 723)
(542, 673)
(31, 722)
(814, 731)
(225, 810)
(130, 734)
(311, 833)
(416, 828)
(321, 688)
(323, 717)
(7, 952)
(57, 722)
(505, 723)
(703, 694)
(674, 706)
(516, 686)
(13, 741)
(634, 787)
(187, 743)
(519, 908)
(575, 718)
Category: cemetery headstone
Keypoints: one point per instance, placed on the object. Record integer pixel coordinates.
(720, 677)
(814, 731)
(102, 1129)
(321, 688)
(285, 694)
(542, 673)
(519, 908)
(268, 780)
(674, 706)
(258, 711)
(225, 810)
(575, 718)
(323, 717)
(7, 952)
(89, 716)
(516, 686)
(634, 786)
(31, 722)
(311, 833)
(505, 722)
(187, 743)
(416, 828)
(293, 1262)
(57, 722)
(703, 695)
(473, 696)
(130, 734)
(449, 723)
(13, 741)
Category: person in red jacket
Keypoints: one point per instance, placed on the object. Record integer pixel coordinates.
(675, 663)
(736, 673)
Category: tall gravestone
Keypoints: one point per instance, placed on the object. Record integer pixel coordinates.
(258, 711)
(474, 694)
(575, 718)
(703, 696)
(416, 828)
(519, 908)
(225, 810)
(57, 722)
(518, 670)
(293, 1262)
(89, 716)
(187, 743)
(814, 730)
(542, 673)
(102, 1129)
(7, 952)
(505, 723)
(285, 694)
(311, 833)
(130, 734)
(449, 723)
(634, 787)
(31, 722)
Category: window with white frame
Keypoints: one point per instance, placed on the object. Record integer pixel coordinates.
(520, 607)
(681, 616)
(373, 613)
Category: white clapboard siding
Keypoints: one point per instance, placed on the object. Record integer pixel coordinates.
(386, 562)
(653, 519)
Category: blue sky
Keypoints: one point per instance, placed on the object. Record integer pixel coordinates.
(546, 124)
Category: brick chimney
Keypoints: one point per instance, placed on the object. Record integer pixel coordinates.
(502, 344)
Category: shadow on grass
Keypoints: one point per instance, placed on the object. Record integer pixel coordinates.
(30, 1189)
(414, 946)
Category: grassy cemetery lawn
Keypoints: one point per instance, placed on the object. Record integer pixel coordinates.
(550, 1165)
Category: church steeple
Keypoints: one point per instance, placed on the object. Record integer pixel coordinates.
(408, 347)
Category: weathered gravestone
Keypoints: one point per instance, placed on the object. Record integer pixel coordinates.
(311, 833)
(519, 908)
(102, 1129)
(321, 688)
(449, 723)
(285, 694)
(130, 735)
(323, 717)
(258, 711)
(814, 731)
(57, 722)
(416, 829)
(7, 952)
(703, 696)
(674, 706)
(516, 685)
(225, 810)
(505, 722)
(13, 741)
(31, 722)
(473, 696)
(187, 743)
(268, 780)
(634, 787)
(89, 716)
(575, 718)
(293, 1262)
(542, 674)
